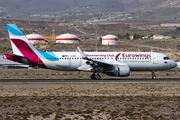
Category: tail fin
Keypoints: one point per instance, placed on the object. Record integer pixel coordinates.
(23, 48)
(20, 44)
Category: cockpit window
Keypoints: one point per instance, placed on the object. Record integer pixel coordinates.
(166, 58)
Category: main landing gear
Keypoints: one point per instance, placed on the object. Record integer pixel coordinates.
(153, 75)
(95, 76)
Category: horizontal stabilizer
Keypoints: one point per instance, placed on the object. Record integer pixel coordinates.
(16, 56)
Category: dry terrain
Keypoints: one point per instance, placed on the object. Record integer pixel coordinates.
(87, 101)
(90, 101)
(53, 74)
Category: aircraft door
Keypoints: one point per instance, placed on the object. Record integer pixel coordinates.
(40, 61)
(155, 59)
(67, 62)
(80, 62)
(74, 62)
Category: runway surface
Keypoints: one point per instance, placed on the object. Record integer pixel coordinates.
(90, 80)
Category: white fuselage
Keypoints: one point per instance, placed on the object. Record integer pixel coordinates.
(137, 61)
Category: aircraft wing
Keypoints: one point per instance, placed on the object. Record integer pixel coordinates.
(97, 65)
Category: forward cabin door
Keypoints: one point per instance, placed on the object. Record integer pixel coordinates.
(155, 59)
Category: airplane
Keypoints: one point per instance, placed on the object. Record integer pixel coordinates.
(118, 64)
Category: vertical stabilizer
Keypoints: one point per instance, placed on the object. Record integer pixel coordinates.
(20, 44)
(22, 47)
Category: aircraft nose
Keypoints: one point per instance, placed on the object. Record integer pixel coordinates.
(174, 64)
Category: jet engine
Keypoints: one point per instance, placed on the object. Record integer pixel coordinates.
(119, 70)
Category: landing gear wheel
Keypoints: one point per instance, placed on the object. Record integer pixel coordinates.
(97, 77)
(153, 75)
(93, 76)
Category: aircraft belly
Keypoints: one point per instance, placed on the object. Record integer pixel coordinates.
(141, 67)
(74, 64)
(147, 67)
(66, 65)
(58, 65)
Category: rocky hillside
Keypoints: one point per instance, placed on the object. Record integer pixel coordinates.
(160, 4)
(55, 7)
(159, 11)
(133, 4)
(108, 6)
(169, 3)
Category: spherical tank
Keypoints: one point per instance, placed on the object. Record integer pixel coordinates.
(110, 40)
(67, 38)
(36, 38)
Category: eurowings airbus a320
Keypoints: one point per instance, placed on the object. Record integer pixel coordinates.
(118, 64)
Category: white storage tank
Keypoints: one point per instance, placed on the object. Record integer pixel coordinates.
(110, 40)
(67, 38)
(36, 38)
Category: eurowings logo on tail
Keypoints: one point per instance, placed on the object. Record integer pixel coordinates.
(22, 47)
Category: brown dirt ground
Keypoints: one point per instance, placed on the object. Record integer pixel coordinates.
(92, 101)
(88, 101)
(53, 74)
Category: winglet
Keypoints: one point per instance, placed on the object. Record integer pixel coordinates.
(82, 54)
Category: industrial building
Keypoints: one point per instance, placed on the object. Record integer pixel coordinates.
(67, 38)
(170, 25)
(159, 37)
(110, 40)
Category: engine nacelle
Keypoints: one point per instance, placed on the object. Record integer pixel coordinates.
(122, 70)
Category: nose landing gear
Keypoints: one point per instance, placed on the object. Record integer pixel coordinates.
(153, 75)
